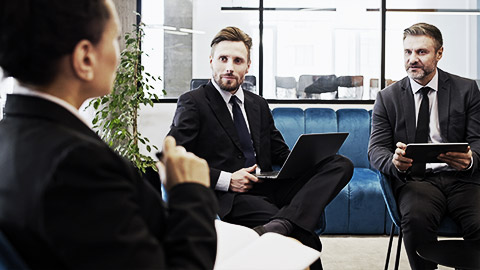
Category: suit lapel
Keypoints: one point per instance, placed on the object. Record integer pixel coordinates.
(253, 111)
(219, 108)
(408, 104)
(443, 98)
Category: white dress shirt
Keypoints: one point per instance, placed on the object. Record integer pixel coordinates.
(434, 133)
(223, 182)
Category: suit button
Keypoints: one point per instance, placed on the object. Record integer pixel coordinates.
(240, 156)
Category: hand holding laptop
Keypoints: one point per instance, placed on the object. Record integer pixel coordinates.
(243, 179)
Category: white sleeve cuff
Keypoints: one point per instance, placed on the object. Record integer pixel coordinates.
(471, 164)
(223, 182)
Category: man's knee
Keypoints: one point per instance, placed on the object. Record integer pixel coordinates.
(471, 228)
(251, 210)
(344, 164)
(419, 218)
(344, 161)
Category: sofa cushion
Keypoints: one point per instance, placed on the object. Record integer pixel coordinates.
(359, 207)
(366, 208)
(320, 120)
(290, 122)
(337, 213)
(357, 123)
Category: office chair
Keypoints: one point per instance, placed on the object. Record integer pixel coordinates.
(303, 82)
(321, 84)
(250, 83)
(351, 87)
(447, 226)
(195, 83)
(285, 83)
(9, 258)
(375, 87)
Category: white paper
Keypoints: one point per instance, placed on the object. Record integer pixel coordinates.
(231, 238)
(241, 248)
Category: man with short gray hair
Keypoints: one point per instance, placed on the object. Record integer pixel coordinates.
(429, 106)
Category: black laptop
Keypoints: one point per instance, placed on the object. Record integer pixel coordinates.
(308, 151)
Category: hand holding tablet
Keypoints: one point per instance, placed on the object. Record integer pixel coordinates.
(428, 152)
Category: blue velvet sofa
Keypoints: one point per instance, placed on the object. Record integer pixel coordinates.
(359, 208)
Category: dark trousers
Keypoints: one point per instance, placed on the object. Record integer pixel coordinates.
(301, 201)
(423, 203)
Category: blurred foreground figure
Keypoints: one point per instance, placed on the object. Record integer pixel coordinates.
(67, 201)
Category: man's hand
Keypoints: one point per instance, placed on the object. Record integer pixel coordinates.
(242, 180)
(457, 160)
(401, 163)
(182, 166)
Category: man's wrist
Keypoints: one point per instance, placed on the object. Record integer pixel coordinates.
(471, 164)
(400, 171)
(223, 182)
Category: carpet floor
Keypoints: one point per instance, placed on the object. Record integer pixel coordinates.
(360, 253)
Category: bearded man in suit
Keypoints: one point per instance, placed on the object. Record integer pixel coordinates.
(430, 105)
(205, 124)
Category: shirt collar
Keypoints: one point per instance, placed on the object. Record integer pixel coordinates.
(433, 83)
(227, 95)
(21, 90)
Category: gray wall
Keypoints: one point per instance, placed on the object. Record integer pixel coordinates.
(126, 9)
(177, 49)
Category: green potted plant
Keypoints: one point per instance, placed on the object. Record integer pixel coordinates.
(116, 114)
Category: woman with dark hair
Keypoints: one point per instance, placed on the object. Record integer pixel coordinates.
(66, 199)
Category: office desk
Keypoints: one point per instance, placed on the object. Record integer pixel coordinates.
(462, 254)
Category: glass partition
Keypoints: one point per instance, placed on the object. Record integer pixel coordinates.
(311, 50)
(330, 48)
(178, 36)
(303, 41)
(458, 22)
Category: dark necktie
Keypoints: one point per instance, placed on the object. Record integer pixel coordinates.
(243, 134)
(421, 134)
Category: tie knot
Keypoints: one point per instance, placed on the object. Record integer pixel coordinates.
(425, 91)
(234, 100)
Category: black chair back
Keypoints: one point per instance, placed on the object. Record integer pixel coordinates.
(195, 83)
(250, 83)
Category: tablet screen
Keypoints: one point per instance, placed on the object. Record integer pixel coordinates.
(428, 152)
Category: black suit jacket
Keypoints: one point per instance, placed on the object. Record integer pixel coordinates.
(204, 126)
(394, 121)
(68, 201)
